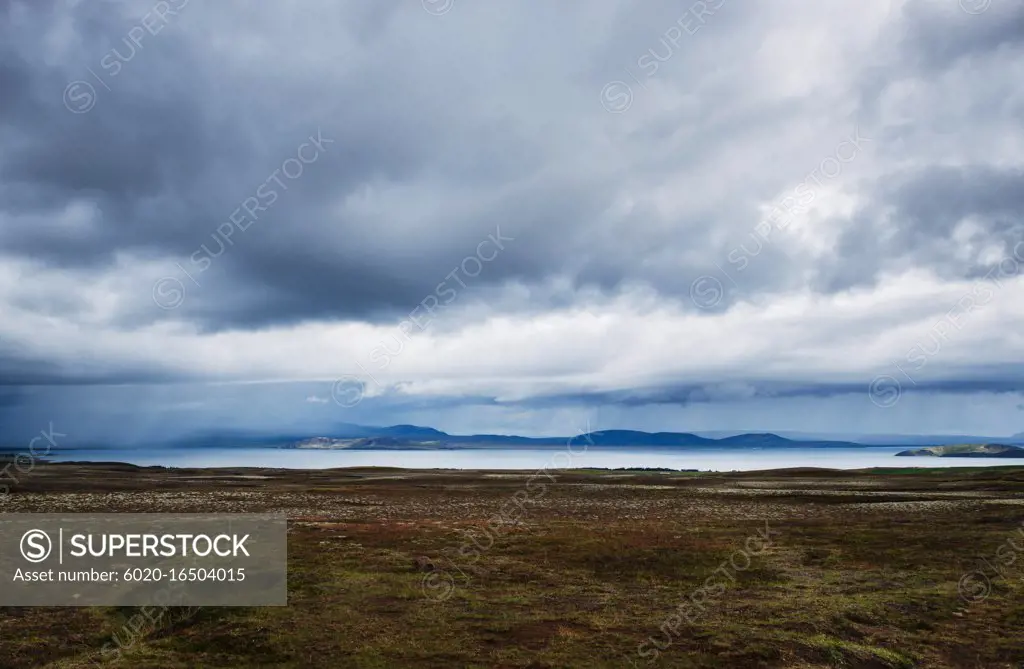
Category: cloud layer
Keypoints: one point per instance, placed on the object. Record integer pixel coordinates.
(738, 210)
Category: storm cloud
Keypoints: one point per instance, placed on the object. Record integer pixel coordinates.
(684, 213)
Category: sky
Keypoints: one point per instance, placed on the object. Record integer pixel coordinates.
(511, 217)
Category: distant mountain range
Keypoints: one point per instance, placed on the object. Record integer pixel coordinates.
(400, 437)
(414, 437)
(883, 439)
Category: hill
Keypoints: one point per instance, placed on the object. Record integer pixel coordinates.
(402, 437)
(968, 451)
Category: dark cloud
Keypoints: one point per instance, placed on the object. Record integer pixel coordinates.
(939, 36)
(683, 395)
(910, 221)
(123, 162)
(164, 159)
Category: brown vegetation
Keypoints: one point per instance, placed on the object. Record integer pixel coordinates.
(862, 571)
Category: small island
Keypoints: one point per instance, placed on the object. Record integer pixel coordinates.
(968, 451)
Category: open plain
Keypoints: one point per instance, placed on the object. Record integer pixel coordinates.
(412, 568)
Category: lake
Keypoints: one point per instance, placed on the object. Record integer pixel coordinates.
(528, 459)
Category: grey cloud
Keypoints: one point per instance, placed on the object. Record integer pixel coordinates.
(939, 36)
(448, 128)
(910, 219)
(164, 159)
(688, 394)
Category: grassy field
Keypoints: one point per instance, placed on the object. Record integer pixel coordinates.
(400, 568)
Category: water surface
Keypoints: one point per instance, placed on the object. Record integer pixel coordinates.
(529, 459)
